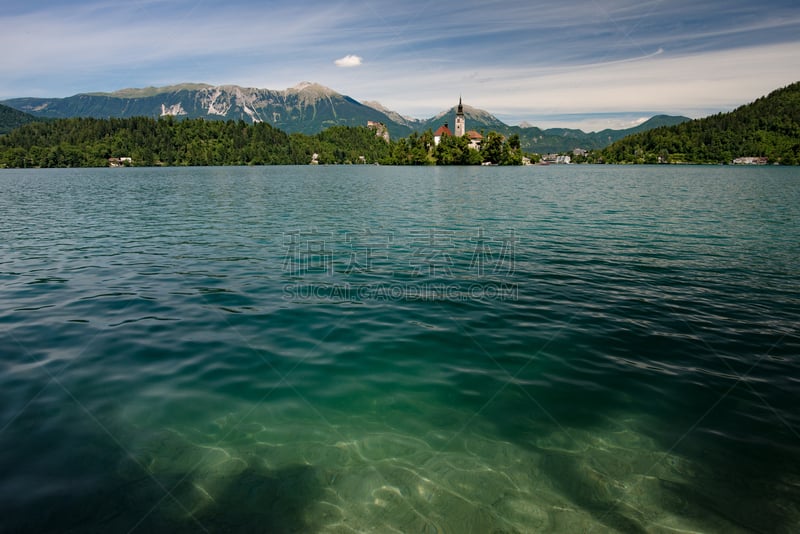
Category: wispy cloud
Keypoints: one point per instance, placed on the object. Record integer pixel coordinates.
(694, 85)
(517, 58)
(348, 61)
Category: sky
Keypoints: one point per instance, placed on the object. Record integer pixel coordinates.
(589, 64)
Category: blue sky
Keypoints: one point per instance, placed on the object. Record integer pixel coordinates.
(584, 63)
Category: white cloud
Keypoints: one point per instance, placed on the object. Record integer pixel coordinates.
(349, 60)
(688, 84)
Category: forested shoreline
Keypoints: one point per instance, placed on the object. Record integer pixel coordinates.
(88, 142)
(769, 128)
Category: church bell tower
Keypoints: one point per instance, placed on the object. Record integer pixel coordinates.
(461, 126)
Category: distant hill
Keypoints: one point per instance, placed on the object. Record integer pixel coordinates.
(306, 108)
(11, 118)
(767, 128)
(554, 140)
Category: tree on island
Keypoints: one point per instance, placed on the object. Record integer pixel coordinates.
(453, 150)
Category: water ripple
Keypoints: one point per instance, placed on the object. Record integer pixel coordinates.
(630, 364)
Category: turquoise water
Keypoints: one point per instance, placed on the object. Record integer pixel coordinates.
(350, 349)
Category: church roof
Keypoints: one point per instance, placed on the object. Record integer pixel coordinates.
(442, 131)
(472, 134)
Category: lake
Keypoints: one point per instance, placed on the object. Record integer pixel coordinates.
(434, 350)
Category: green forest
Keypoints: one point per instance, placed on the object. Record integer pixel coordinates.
(768, 127)
(86, 142)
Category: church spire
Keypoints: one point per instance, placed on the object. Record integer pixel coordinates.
(460, 121)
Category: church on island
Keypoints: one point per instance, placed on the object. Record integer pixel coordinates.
(475, 138)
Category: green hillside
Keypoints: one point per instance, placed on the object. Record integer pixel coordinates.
(11, 118)
(567, 139)
(768, 127)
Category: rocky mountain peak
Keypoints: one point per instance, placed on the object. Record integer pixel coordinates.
(311, 88)
(395, 116)
(144, 92)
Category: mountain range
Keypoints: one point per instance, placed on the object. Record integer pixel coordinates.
(305, 108)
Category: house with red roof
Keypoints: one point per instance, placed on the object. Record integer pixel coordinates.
(443, 131)
(475, 140)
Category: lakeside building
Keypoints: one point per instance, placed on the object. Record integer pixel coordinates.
(475, 140)
(750, 160)
(120, 162)
(558, 159)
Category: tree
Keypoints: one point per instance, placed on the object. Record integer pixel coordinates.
(512, 153)
(492, 148)
(453, 151)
